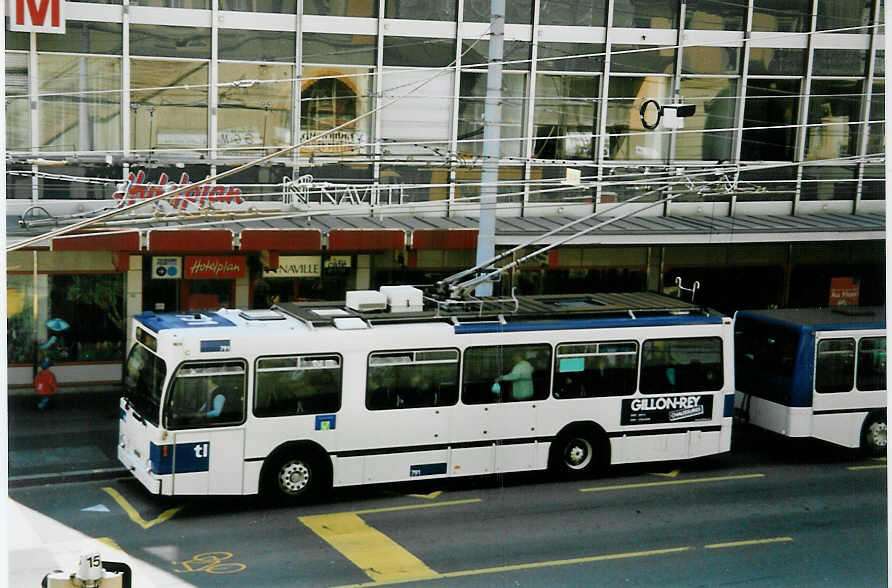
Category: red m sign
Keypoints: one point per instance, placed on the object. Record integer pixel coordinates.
(37, 16)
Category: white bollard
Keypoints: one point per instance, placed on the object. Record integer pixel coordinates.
(90, 574)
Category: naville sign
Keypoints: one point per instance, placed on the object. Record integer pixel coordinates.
(37, 16)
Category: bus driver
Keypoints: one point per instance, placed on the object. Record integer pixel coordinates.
(216, 399)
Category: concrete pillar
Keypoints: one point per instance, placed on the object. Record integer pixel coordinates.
(363, 272)
(243, 292)
(654, 278)
(132, 295)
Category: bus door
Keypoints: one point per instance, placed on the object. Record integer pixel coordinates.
(850, 372)
(412, 394)
(504, 386)
(205, 412)
(208, 462)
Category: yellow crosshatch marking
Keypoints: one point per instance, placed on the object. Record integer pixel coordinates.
(376, 554)
(134, 516)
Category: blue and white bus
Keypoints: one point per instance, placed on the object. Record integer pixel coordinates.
(305, 396)
(814, 373)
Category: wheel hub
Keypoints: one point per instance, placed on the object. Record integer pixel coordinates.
(578, 454)
(878, 434)
(294, 477)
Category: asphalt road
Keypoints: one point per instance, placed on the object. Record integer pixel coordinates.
(772, 513)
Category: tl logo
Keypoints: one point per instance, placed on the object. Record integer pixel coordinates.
(37, 16)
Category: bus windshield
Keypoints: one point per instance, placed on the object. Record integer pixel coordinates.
(144, 381)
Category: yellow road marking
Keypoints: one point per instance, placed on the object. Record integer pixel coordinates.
(672, 474)
(110, 542)
(878, 458)
(134, 516)
(867, 467)
(430, 496)
(673, 482)
(748, 542)
(376, 554)
(413, 506)
(539, 564)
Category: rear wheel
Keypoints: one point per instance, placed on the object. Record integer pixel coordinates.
(873, 437)
(577, 454)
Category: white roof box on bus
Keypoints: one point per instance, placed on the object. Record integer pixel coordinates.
(403, 298)
(366, 300)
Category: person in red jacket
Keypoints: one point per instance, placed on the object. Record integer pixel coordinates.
(45, 385)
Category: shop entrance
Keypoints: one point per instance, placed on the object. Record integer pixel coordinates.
(206, 294)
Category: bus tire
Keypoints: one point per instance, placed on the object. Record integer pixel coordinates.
(579, 452)
(296, 475)
(873, 435)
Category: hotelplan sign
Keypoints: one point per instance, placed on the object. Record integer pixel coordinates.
(37, 16)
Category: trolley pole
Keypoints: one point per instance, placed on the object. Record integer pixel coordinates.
(492, 118)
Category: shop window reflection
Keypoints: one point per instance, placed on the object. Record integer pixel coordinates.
(18, 109)
(715, 15)
(516, 11)
(828, 183)
(274, 6)
(471, 110)
(20, 320)
(628, 139)
(716, 100)
(587, 13)
(790, 16)
(565, 117)
(833, 106)
(876, 141)
(770, 103)
(168, 103)
(80, 107)
(341, 7)
(644, 14)
(254, 115)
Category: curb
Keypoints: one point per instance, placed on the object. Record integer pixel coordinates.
(66, 477)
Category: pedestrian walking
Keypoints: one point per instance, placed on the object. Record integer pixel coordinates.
(45, 385)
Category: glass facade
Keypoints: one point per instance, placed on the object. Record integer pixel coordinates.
(243, 84)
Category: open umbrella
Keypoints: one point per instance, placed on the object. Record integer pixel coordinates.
(57, 324)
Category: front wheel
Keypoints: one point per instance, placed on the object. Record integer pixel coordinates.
(873, 437)
(295, 478)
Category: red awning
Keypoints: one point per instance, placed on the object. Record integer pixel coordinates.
(444, 239)
(122, 241)
(281, 240)
(189, 240)
(366, 239)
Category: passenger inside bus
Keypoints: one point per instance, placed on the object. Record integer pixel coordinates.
(521, 378)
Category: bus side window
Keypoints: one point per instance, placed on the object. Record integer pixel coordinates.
(835, 366)
(681, 365)
(412, 379)
(303, 384)
(511, 373)
(872, 364)
(585, 370)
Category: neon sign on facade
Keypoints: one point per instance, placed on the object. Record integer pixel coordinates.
(136, 189)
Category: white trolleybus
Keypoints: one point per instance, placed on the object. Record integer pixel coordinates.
(387, 387)
(814, 373)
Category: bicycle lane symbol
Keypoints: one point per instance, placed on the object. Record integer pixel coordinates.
(212, 563)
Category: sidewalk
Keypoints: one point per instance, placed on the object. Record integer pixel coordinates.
(74, 440)
(37, 545)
